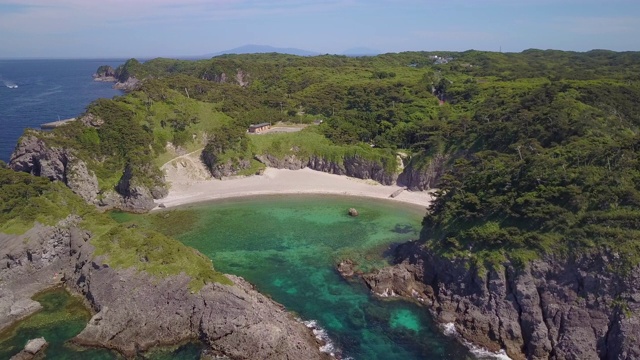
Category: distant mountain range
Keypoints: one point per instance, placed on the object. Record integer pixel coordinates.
(258, 49)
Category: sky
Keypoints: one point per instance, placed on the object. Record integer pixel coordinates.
(180, 28)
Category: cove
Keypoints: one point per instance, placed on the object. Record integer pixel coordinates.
(288, 246)
(62, 317)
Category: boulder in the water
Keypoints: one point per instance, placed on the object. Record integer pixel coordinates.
(353, 212)
(346, 268)
(34, 347)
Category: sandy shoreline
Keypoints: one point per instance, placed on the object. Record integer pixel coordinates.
(190, 183)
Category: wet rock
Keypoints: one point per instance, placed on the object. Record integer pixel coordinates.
(346, 268)
(353, 212)
(34, 347)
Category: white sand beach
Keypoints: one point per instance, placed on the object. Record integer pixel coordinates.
(190, 183)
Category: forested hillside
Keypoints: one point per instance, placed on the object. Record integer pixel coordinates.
(539, 148)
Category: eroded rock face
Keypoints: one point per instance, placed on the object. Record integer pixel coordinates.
(353, 166)
(230, 168)
(131, 84)
(134, 311)
(551, 309)
(290, 162)
(361, 168)
(418, 176)
(33, 156)
(105, 73)
(90, 120)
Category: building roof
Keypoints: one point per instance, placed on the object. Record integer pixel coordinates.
(259, 125)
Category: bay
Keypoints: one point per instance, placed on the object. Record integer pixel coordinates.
(288, 246)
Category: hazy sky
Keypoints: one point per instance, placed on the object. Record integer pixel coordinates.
(146, 28)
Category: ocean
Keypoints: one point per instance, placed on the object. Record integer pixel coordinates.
(33, 92)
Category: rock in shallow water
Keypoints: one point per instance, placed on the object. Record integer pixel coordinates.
(34, 347)
(353, 212)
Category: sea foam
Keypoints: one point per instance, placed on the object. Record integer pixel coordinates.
(449, 329)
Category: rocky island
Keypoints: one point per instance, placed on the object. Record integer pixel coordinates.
(530, 246)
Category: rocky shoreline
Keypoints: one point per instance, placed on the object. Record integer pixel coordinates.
(553, 308)
(134, 312)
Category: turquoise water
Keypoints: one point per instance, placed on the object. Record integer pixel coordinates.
(288, 247)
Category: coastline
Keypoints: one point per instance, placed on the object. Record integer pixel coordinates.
(190, 183)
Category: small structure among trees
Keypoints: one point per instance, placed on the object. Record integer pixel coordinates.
(258, 128)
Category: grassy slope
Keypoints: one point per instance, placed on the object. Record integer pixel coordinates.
(123, 246)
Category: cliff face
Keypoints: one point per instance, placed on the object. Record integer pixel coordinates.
(105, 73)
(134, 311)
(552, 309)
(354, 166)
(421, 174)
(34, 156)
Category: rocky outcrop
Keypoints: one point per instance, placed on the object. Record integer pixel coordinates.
(34, 349)
(91, 120)
(32, 155)
(361, 168)
(290, 162)
(353, 166)
(105, 73)
(131, 194)
(129, 85)
(553, 308)
(423, 174)
(229, 168)
(135, 311)
(241, 77)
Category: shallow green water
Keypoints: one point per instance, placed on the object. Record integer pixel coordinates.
(288, 247)
(63, 316)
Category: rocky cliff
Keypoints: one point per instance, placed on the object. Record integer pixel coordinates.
(35, 156)
(423, 173)
(105, 73)
(134, 311)
(353, 166)
(552, 308)
(32, 155)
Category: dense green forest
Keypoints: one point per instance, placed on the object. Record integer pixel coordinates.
(542, 145)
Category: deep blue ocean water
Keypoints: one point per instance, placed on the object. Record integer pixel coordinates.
(46, 90)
